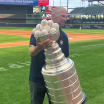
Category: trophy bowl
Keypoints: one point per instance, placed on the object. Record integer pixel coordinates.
(46, 30)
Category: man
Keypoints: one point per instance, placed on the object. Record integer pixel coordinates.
(37, 84)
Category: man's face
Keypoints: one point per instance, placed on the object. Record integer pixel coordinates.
(61, 17)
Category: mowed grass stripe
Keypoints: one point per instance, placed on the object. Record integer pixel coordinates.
(16, 28)
(12, 38)
(87, 31)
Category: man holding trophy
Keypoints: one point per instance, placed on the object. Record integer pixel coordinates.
(51, 70)
(37, 84)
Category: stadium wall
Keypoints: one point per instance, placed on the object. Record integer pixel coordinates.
(69, 26)
(84, 26)
(14, 13)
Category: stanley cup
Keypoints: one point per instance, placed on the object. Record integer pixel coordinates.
(59, 72)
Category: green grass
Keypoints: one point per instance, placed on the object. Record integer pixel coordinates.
(14, 70)
(12, 38)
(89, 57)
(89, 62)
(16, 28)
(14, 79)
(89, 31)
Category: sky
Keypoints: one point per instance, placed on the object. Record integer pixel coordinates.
(71, 4)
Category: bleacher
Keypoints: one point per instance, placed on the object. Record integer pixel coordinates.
(91, 10)
(87, 17)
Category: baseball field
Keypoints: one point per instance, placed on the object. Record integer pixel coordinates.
(86, 50)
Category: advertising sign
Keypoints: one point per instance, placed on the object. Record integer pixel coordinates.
(19, 2)
(43, 2)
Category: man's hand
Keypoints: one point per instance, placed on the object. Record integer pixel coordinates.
(34, 50)
(44, 45)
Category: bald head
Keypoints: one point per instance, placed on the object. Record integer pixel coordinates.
(59, 15)
(57, 9)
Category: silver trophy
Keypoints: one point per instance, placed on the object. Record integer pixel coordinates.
(59, 72)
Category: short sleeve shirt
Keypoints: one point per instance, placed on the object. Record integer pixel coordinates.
(38, 61)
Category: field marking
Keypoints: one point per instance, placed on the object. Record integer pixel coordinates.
(3, 69)
(75, 55)
(93, 45)
(27, 63)
(15, 66)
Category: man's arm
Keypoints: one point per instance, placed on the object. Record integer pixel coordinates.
(34, 50)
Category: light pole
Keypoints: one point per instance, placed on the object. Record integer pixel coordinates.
(67, 5)
(60, 2)
(53, 2)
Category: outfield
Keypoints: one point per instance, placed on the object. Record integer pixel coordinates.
(14, 68)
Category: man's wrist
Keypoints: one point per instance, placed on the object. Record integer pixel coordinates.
(38, 48)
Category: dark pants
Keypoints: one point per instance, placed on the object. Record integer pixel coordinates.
(37, 93)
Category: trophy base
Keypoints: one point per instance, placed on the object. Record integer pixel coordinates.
(84, 98)
(63, 84)
(82, 102)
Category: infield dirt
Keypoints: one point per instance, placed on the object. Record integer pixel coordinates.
(73, 37)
